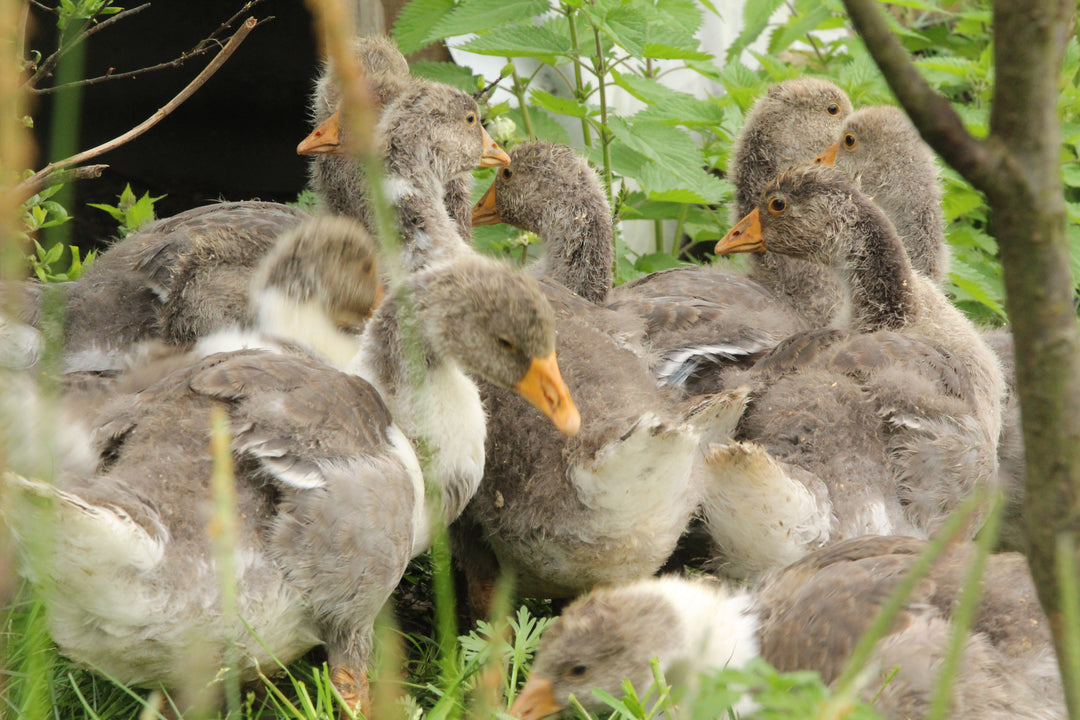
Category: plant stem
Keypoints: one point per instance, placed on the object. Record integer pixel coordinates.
(585, 133)
(1070, 611)
(519, 91)
(964, 612)
(223, 531)
(658, 236)
(600, 70)
(856, 662)
(676, 243)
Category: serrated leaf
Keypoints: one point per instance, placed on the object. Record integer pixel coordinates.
(976, 286)
(676, 161)
(415, 20)
(541, 42)
(655, 262)
(477, 16)
(544, 126)
(796, 28)
(561, 106)
(756, 17)
(446, 72)
(667, 105)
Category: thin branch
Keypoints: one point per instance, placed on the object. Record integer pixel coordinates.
(46, 8)
(50, 62)
(87, 172)
(214, 65)
(938, 122)
(248, 6)
(174, 63)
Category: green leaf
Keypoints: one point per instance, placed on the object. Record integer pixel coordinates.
(561, 106)
(798, 27)
(676, 161)
(476, 16)
(540, 42)
(755, 19)
(447, 72)
(544, 126)
(667, 105)
(655, 262)
(416, 20)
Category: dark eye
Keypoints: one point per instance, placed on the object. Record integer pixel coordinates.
(849, 141)
(505, 343)
(506, 173)
(833, 109)
(577, 671)
(777, 206)
(470, 119)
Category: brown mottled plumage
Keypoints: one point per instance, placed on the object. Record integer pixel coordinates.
(794, 121)
(809, 617)
(898, 415)
(549, 190)
(331, 501)
(882, 152)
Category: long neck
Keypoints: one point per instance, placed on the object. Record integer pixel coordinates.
(580, 249)
(443, 414)
(428, 233)
(879, 274)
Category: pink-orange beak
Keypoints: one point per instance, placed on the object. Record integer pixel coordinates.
(744, 237)
(485, 212)
(828, 155)
(543, 386)
(536, 700)
(323, 140)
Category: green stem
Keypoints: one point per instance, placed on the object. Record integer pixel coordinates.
(519, 91)
(1070, 614)
(964, 613)
(676, 244)
(576, 47)
(64, 128)
(658, 236)
(600, 70)
(886, 615)
(224, 533)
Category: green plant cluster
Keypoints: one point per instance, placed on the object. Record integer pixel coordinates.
(667, 161)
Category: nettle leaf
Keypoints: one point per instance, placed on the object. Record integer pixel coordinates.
(415, 21)
(542, 42)
(627, 26)
(755, 19)
(476, 16)
(561, 106)
(676, 162)
(447, 72)
(682, 14)
(544, 126)
(1071, 174)
(797, 28)
(975, 285)
(667, 105)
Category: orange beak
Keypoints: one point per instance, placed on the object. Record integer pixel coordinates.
(543, 386)
(828, 155)
(484, 211)
(744, 237)
(323, 140)
(493, 155)
(536, 700)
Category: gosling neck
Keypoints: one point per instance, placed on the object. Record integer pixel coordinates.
(878, 273)
(428, 234)
(580, 247)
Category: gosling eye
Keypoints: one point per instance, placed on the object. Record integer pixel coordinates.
(777, 206)
(506, 173)
(849, 141)
(577, 671)
(505, 343)
(833, 109)
(470, 119)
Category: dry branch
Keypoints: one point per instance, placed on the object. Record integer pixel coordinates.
(226, 52)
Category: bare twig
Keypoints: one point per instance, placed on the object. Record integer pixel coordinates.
(87, 172)
(46, 8)
(215, 64)
(174, 63)
(931, 112)
(46, 67)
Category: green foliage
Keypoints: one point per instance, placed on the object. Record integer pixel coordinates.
(74, 10)
(666, 161)
(131, 212)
